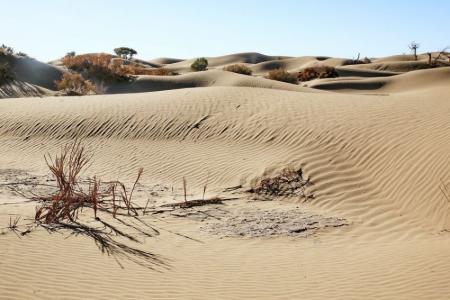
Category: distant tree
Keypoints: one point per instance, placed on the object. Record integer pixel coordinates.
(413, 47)
(200, 64)
(71, 53)
(125, 52)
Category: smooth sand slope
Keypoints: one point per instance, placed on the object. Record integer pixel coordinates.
(376, 161)
(199, 79)
(411, 82)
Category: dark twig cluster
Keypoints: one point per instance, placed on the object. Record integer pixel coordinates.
(289, 182)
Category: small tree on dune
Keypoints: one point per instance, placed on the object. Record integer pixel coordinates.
(125, 52)
(413, 47)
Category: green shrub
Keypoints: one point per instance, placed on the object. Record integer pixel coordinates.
(240, 69)
(6, 74)
(200, 64)
(282, 75)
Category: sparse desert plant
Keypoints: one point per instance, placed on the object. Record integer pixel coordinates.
(6, 74)
(74, 84)
(58, 211)
(357, 61)
(238, 68)
(200, 64)
(318, 71)
(71, 53)
(125, 52)
(70, 197)
(282, 75)
(367, 60)
(13, 223)
(289, 182)
(5, 50)
(434, 62)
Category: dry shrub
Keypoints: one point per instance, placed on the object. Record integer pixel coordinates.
(101, 66)
(289, 182)
(107, 67)
(58, 211)
(70, 197)
(317, 72)
(75, 84)
(238, 68)
(282, 75)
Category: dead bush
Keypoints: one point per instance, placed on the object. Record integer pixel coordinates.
(75, 84)
(282, 75)
(289, 182)
(115, 214)
(107, 67)
(238, 68)
(70, 197)
(100, 66)
(317, 72)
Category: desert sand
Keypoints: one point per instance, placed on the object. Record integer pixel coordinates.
(374, 142)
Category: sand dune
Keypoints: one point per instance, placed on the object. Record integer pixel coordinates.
(221, 61)
(198, 79)
(165, 61)
(404, 83)
(348, 71)
(33, 71)
(395, 66)
(376, 163)
(42, 76)
(19, 89)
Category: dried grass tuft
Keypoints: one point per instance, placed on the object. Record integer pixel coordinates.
(70, 197)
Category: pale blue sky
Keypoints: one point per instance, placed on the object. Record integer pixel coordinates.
(47, 29)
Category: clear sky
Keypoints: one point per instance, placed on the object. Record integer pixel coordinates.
(47, 29)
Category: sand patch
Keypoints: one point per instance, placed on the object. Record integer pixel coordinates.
(283, 220)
